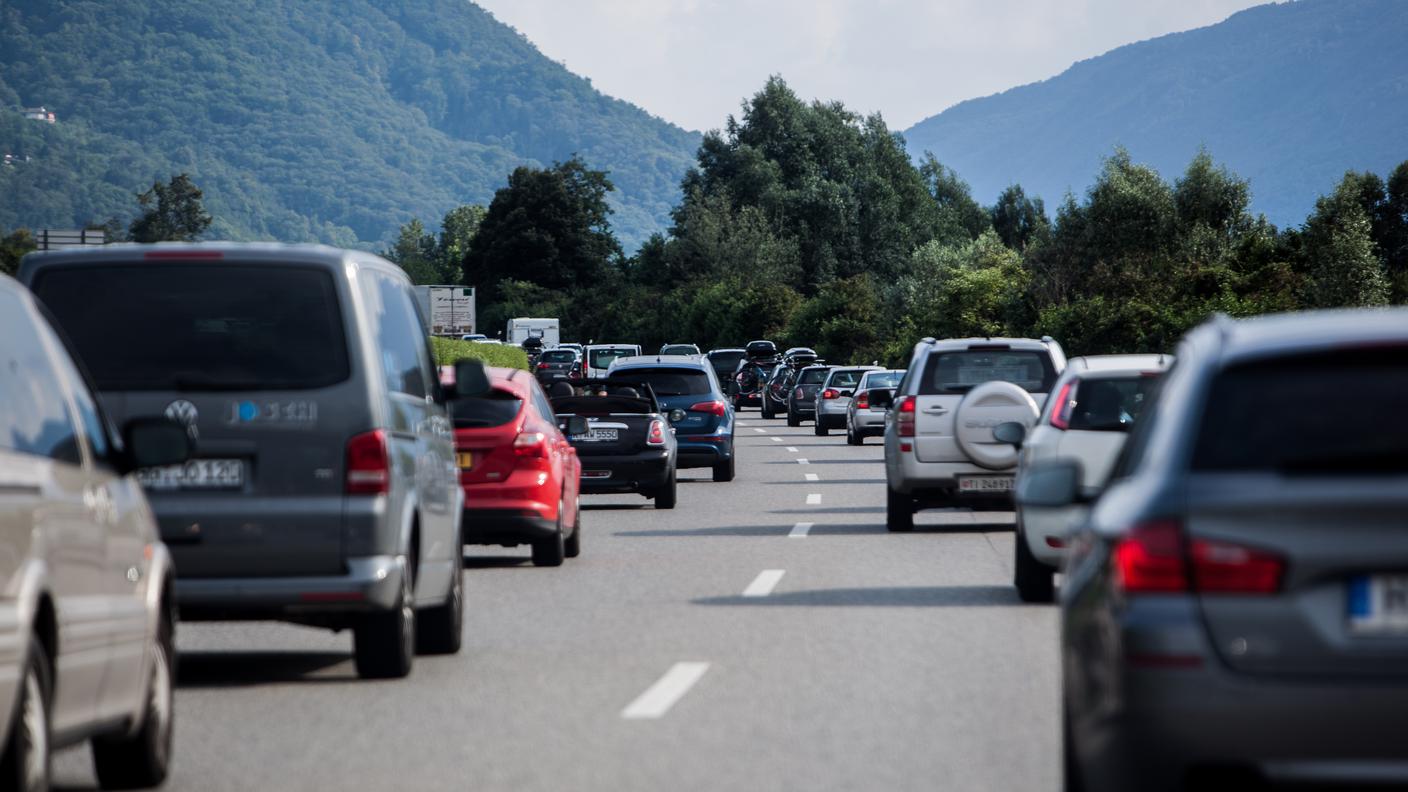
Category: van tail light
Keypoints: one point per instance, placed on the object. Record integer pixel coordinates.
(830, 394)
(531, 445)
(656, 437)
(1065, 404)
(368, 464)
(1153, 558)
(904, 416)
(863, 401)
(712, 407)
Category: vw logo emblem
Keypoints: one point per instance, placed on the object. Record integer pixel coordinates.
(184, 413)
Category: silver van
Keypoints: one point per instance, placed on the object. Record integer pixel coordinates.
(323, 490)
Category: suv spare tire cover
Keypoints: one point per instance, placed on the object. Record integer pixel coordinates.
(981, 410)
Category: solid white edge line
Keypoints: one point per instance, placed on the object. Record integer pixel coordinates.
(669, 689)
(813, 477)
(800, 530)
(764, 583)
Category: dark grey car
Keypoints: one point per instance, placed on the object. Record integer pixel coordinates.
(801, 401)
(1236, 608)
(323, 489)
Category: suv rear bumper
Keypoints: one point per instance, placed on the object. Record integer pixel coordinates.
(369, 585)
(696, 451)
(937, 482)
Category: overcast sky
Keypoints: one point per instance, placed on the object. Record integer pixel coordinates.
(692, 61)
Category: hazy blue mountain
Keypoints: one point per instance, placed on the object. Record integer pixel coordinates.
(1290, 96)
(304, 119)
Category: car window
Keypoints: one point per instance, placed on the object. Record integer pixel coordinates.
(91, 422)
(813, 377)
(225, 327)
(1110, 404)
(959, 371)
(540, 401)
(845, 379)
(679, 350)
(671, 381)
(1325, 414)
(34, 416)
(495, 408)
(602, 358)
(558, 356)
(400, 339)
(883, 379)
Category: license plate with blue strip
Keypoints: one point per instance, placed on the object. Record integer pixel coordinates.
(1378, 604)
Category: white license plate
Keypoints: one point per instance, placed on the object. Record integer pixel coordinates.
(984, 483)
(1378, 604)
(598, 436)
(195, 474)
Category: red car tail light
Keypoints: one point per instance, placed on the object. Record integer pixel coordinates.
(1226, 568)
(656, 437)
(712, 407)
(863, 401)
(830, 394)
(531, 445)
(1065, 403)
(368, 464)
(904, 416)
(542, 366)
(1149, 560)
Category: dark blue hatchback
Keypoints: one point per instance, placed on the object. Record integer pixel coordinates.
(704, 422)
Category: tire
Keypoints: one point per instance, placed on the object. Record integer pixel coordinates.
(550, 552)
(1034, 581)
(143, 760)
(793, 420)
(383, 644)
(573, 545)
(724, 471)
(1072, 778)
(768, 411)
(854, 439)
(821, 429)
(27, 758)
(440, 630)
(899, 511)
(665, 497)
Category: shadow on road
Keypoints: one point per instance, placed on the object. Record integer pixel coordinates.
(903, 597)
(495, 562)
(828, 462)
(616, 506)
(725, 530)
(832, 481)
(247, 669)
(821, 509)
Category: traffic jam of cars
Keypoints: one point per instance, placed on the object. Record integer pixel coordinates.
(220, 431)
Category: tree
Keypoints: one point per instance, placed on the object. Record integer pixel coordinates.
(457, 231)
(1340, 257)
(415, 252)
(960, 217)
(171, 212)
(1018, 220)
(12, 249)
(1393, 239)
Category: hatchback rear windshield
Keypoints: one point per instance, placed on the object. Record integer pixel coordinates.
(845, 379)
(671, 381)
(683, 349)
(962, 370)
(601, 358)
(558, 356)
(884, 379)
(1111, 404)
(813, 377)
(227, 327)
(477, 412)
(1337, 413)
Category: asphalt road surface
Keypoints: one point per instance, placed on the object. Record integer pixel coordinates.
(766, 634)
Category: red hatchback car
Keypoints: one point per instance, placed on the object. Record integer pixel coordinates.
(520, 476)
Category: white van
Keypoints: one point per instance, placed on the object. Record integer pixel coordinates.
(521, 329)
(599, 357)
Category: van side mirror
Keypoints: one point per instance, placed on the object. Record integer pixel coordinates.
(577, 425)
(1011, 433)
(1051, 484)
(882, 397)
(471, 378)
(156, 442)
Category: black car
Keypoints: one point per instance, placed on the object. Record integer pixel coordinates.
(558, 363)
(629, 445)
(725, 363)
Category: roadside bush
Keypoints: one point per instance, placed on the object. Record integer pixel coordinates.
(449, 351)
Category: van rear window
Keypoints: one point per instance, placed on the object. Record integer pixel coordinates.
(962, 370)
(225, 327)
(1326, 414)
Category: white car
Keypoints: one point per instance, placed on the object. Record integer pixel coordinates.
(1096, 402)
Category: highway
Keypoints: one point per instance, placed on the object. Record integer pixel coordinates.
(767, 634)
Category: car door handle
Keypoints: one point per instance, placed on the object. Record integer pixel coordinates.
(935, 410)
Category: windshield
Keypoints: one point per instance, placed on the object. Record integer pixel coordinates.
(602, 358)
(558, 356)
(813, 377)
(227, 327)
(961, 370)
(1111, 404)
(671, 381)
(883, 379)
(495, 409)
(845, 379)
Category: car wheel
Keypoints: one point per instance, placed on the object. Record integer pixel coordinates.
(573, 545)
(1072, 778)
(852, 438)
(767, 408)
(27, 757)
(899, 511)
(821, 429)
(665, 497)
(724, 471)
(793, 420)
(550, 552)
(383, 644)
(1031, 577)
(142, 760)
(440, 630)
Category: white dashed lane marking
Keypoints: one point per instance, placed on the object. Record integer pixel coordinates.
(814, 499)
(669, 689)
(800, 530)
(764, 583)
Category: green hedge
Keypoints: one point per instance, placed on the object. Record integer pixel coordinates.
(448, 351)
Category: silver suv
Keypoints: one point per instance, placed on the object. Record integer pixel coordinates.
(323, 490)
(939, 444)
(87, 620)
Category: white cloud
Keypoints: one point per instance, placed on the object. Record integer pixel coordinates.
(693, 61)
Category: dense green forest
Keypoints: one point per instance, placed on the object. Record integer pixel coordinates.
(1289, 95)
(308, 120)
(808, 224)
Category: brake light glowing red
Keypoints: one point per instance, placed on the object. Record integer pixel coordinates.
(532, 445)
(712, 407)
(904, 416)
(368, 464)
(830, 394)
(1225, 568)
(1065, 403)
(657, 433)
(1149, 560)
